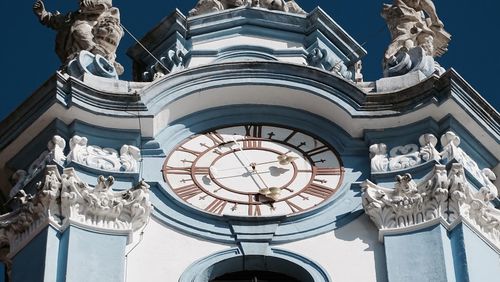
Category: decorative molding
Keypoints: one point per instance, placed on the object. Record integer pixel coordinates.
(106, 159)
(410, 155)
(379, 160)
(321, 58)
(65, 199)
(440, 195)
(175, 60)
(102, 208)
(210, 6)
(403, 157)
(54, 152)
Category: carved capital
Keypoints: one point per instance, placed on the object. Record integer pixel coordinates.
(102, 208)
(65, 199)
(441, 195)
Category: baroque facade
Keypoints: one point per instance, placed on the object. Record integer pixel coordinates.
(249, 147)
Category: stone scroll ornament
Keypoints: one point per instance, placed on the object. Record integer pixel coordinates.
(210, 6)
(417, 35)
(94, 28)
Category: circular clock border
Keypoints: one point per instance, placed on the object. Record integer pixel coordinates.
(341, 169)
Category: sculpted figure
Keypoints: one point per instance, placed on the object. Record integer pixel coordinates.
(412, 24)
(208, 6)
(95, 27)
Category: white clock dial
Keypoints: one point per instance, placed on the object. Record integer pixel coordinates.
(253, 170)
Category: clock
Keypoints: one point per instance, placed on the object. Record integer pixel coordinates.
(253, 170)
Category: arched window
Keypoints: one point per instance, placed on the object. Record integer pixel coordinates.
(254, 276)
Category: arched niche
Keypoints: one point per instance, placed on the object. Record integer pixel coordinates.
(233, 261)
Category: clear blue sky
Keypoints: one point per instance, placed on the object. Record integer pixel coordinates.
(28, 59)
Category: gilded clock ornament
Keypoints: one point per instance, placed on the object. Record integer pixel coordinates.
(253, 170)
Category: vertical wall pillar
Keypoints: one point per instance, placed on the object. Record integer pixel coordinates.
(92, 256)
(475, 260)
(38, 259)
(423, 255)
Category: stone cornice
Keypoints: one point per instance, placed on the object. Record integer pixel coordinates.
(64, 199)
(442, 196)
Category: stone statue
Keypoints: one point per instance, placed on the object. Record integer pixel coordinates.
(209, 6)
(95, 28)
(417, 37)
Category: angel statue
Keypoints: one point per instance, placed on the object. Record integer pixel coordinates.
(417, 37)
(95, 28)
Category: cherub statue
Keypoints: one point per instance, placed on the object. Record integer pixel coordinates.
(412, 24)
(95, 27)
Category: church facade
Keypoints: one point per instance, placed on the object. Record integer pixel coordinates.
(249, 148)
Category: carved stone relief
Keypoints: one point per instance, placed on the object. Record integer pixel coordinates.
(403, 157)
(54, 152)
(210, 6)
(62, 199)
(320, 58)
(107, 159)
(417, 38)
(95, 28)
(172, 62)
(440, 194)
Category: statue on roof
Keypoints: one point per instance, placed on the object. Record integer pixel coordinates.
(95, 28)
(209, 6)
(418, 36)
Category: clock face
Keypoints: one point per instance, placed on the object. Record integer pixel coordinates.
(253, 170)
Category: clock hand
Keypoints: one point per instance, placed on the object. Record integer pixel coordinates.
(282, 160)
(240, 148)
(215, 169)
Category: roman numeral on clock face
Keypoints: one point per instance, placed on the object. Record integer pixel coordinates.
(186, 170)
(327, 171)
(249, 144)
(217, 206)
(317, 151)
(253, 131)
(318, 191)
(216, 138)
(295, 208)
(188, 192)
(254, 210)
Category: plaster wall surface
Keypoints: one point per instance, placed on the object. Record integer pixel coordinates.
(482, 260)
(350, 253)
(164, 254)
(245, 40)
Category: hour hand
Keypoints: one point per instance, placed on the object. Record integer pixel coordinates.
(285, 159)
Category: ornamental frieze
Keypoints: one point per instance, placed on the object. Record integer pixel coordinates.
(443, 195)
(63, 199)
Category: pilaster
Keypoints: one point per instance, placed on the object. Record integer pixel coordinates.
(441, 226)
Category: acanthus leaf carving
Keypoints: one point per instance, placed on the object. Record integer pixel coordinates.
(54, 152)
(101, 207)
(440, 195)
(408, 204)
(64, 198)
